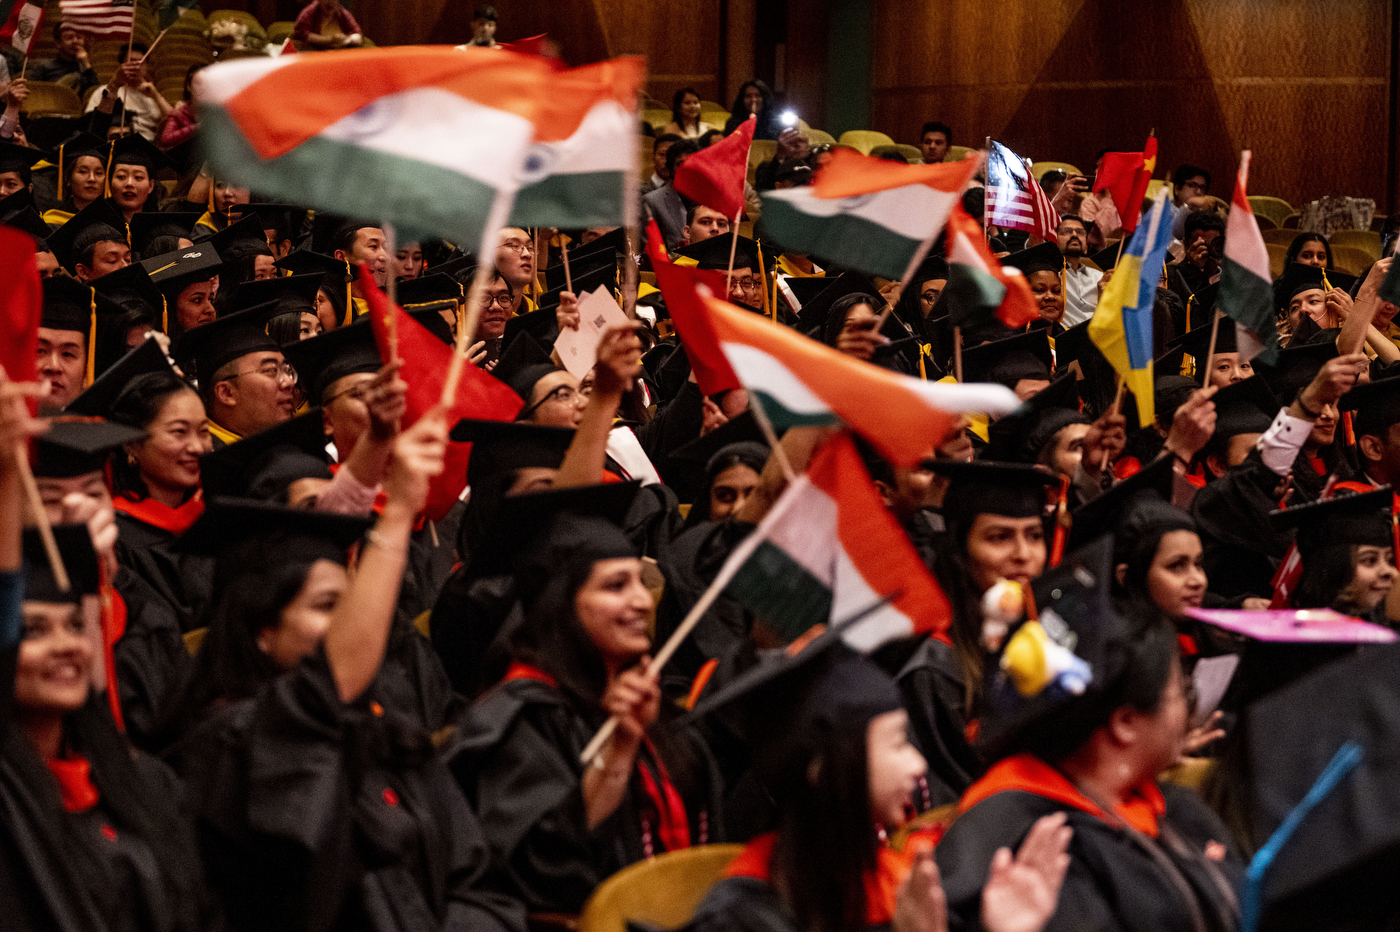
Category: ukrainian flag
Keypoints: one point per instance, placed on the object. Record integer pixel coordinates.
(1122, 323)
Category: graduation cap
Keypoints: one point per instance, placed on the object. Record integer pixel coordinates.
(212, 346)
(932, 268)
(100, 398)
(1043, 258)
(332, 355)
(460, 268)
(500, 447)
(435, 289)
(150, 225)
(520, 519)
(1341, 521)
(20, 159)
(173, 272)
(542, 324)
(67, 146)
(798, 292)
(815, 311)
(284, 218)
(79, 559)
(293, 294)
(1105, 259)
(131, 289)
(1330, 734)
(69, 305)
(135, 149)
(51, 132)
(327, 229)
(741, 429)
(1170, 392)
(523, 363)
(263, 465)
(1022, 435)
(588, 259)
(240, 240)
(713, 253)
(1012, 490)
(1377, 406)
(603, 276)
(1196, 343)
(76, 446)
(19, 211)
(97, 222)
(1074, 345)
(1246, 407)
(1024, 356)
(1296, 367)
(302, 261)
(230, 525)
(1298, 278)
(1101, 515)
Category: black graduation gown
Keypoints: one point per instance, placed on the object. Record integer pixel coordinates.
(150, 657)
(1113, 882)
(1241, 547)
(315, 814)
(932, 687)
(516, 755)
(185, 581)
(689, 565)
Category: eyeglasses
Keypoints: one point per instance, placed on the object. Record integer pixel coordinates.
(355, 392)
(746, 284)
(565, 393)
(503, 300)
(278, 371)
(516, 246)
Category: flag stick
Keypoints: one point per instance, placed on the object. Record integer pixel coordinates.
(391, 291)
(1114, 409)
(157, 40)
(485, 266)
(733, 246)
(41, 519)
(986, 214)
(568, 275)
(1210, 353)
(957, 354)
(919, 256)
(771, 436)
(131, 39)
(632, 219)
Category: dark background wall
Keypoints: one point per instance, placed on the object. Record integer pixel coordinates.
(1309, 85)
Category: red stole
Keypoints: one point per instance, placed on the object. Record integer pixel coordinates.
(75, 787)
(149, 511)
(1032, 775)
(673, 826)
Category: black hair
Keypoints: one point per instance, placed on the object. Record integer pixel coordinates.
(840, 308)
(1185, 173)
(679, 98)
(937, 127)
(680, 150)
(139, 48)
(160, 245)
(285, 328)
(1204, 221)
(663, 138)
(708, 138)
(974, 201)
(189, 76)
(797, 175)
(138, 405)
(1051, 178)
(1075, 217)
(739, 113)
(346, 236)
(1145, 520)
(1327, 573)
(486, 12)
(1301, 240)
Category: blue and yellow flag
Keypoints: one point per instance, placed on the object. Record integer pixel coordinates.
(1122, 323)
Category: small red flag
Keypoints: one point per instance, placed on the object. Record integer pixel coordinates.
(715, 176)
(425, 362)
(678, 285)
(21, 304)
(1125, 176)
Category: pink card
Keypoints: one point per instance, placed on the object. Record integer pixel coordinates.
(1311, 625)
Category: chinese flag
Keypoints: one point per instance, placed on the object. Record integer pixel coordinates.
(715, 176)
(1125, 176)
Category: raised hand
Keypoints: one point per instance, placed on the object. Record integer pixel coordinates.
(635, 699)
(387, 399)
(1192, 425)
(418, 457)
(1021, 892)
(619, 360)
(921, 905)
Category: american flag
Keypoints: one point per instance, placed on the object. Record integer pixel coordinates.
(1014, 198)
(101, 18)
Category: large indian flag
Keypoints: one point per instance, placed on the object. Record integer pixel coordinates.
(1246, 290)
(829, 549)
(802, 382)
(978, 285)
(871, 214)
(427, 137)
(580, 170)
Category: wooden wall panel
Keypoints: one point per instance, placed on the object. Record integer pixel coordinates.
(1301, 82)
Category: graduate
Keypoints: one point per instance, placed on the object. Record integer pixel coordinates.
(131, 175)
(188, 280)
(81, 177)
(244, 380)
(1325, 453)
(93, 243)
(1347, 546)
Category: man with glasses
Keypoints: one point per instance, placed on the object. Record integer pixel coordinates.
(515, 261)
(1189, 182)
(243, 378)
(746, 285)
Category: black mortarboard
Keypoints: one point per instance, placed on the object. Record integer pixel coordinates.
(431, 319)
(1074, 345)
(332, 355)
(932, 268)
(1012, 490)
(175, 271)
(69, 147)
(433, 289)
(79, 560)
(1343, 520)
(1171, 392)
(99, 398)
(51, 132)
(283, 217)
(741, 429)
(815, 311)
(231, 522)
(523, 363)
(263, 465)
(131, 289)
(1246, 407)
(304, 260)
(1024, 356)
(499, 447)
(241, 240)
(1196, 342)
(69, 305)
(293, 294)
(461, 268)
(1203, 303)
(543, 325)
(606, 277)
(1377, 406)
(95, 223)
(603, 252)
(1299, 278)
(148, 225)
(21, 159)
(1296, 367)
(1105, 259)
(803, 291)
(1101, 516)
(27, 219)
(1022, 435)
(78, 446)
(1043, 258)
(1336, 866)
(520, 519)
(713, 253)
(213, 345)
(135, 149)
(327, 228)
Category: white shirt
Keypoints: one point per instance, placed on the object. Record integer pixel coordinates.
(142, 112)
(1081, 294)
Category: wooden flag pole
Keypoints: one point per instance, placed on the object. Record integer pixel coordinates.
(771, 436)
(157, 40)
(1114, 409)
(733, 246)
(131, 39)
(1210, 353)
(391, 291)
(41, 519)
(485, 268)
(957, 354)
(568, 275)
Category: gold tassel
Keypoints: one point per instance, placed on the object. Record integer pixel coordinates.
(107, 179)
(164, 315)
(92, 339)
(60, 170)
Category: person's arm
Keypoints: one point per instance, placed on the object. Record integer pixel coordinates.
(1279, 445)
(387, 400)
(359, 628)
(619, 362)
(16, 427)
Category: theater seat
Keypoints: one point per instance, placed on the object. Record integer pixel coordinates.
(1282, 237)
(863, 140)
(1350, 259)
(1275, 208)
(1277, 253)
(49, 99)
(662, 892)
(1040, 168)
(1368, 241)
(820, 137)
(957, 153)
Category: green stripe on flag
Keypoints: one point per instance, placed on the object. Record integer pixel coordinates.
(859, 243)
(580, 199)
(783, 417)
(972, 295)
(780, 591)
(423, 200)
(1249, 301)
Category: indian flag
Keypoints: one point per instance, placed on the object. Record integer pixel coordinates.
(581, 168)
(829, 549)
(873, 215)
(1246, 292)
(978, 284)
(426, 137)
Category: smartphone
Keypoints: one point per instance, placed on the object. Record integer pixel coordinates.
(788, 118)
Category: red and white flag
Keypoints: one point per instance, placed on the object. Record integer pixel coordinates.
(99, 18)
(1014, 198)
(22, 25)
(715, 176)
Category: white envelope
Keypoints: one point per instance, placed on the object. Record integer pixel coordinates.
(578, 349)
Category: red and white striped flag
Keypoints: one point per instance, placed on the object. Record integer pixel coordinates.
(22, 25)
(99, 18)
(1014, 198)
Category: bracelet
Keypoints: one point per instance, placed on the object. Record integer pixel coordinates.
(1307, 412)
